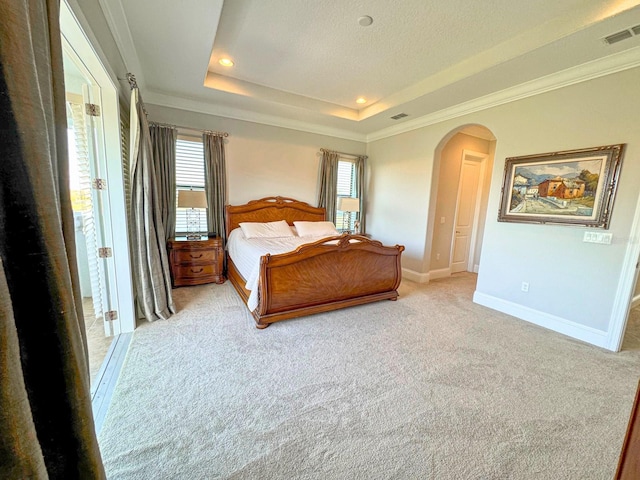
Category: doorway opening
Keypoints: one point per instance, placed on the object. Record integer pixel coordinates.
(463, 163)
(631, 336)
(98, 202)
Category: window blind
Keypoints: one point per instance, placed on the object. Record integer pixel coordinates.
(346, 188)
(189, 176)
(82, 202)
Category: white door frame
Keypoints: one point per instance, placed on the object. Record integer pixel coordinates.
(624, 294)
(470, 155)
(121, 292)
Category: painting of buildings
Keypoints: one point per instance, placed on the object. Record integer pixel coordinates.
(556, 188)
(562, 188)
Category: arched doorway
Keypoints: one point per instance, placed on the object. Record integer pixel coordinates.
(463, 163)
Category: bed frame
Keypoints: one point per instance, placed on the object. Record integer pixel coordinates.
(317, 277)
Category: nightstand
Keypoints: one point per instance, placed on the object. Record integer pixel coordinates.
(195, 262)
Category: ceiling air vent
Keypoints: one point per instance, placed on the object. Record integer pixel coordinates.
(618, 37)
(399, 116)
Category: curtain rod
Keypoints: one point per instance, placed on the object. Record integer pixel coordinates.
(343, 154)
(131, 78)
(220, 134)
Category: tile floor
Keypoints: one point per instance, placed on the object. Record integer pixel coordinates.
(98, 343)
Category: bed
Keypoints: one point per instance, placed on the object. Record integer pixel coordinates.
(323, 275)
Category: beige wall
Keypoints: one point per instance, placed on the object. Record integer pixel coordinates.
(598, 112)
(263, 160)
(446, 189)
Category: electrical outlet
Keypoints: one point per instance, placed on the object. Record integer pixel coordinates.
(441, 219)
(525, 286)
(437, 256)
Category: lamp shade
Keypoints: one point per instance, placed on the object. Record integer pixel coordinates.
(192, 199)
(348, 204)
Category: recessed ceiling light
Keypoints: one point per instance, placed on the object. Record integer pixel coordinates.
(226, 62)
(361, 100)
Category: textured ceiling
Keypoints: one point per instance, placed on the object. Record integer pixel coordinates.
(308, 61)
(318, 49)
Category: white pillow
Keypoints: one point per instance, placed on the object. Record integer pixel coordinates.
(316, 229)
(266, 230)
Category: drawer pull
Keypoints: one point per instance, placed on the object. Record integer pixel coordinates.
(198, 271)
(193, 256)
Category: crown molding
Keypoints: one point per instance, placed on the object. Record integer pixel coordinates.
(591, 70)
(181, 103)
(594, 69)
(117, 21)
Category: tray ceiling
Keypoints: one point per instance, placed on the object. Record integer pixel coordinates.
(307, 62)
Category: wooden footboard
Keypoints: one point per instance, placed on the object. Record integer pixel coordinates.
(329, 274)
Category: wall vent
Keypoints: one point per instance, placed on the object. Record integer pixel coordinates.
(399, 116)
(636, 30)
(618, 37)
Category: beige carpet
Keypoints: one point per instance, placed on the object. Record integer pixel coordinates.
(431, 386)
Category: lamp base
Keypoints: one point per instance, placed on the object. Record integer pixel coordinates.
(194, 236)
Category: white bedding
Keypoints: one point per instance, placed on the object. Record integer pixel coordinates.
(246, 254)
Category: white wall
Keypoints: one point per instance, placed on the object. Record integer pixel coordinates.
(262, 160)
(571, 282)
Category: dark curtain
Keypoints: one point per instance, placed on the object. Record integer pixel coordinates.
(360, 189)
(46, 423)
(328, 184)
(215, 182)
(163, 144)
(152, 277)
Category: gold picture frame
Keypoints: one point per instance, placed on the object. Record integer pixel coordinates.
(573, 187)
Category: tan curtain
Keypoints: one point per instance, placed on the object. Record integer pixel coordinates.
(360, 189)
(152, 278)
(215, 182)
(328, 180)
(163, 143)
(46, 423)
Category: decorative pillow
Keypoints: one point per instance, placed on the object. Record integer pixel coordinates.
(266, 230)
(316, 229)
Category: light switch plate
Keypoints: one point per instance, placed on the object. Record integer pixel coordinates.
(598, 237)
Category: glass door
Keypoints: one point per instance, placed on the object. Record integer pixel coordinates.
(90, 208)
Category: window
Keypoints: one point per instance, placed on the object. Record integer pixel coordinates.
(346, 188)
(189, 176)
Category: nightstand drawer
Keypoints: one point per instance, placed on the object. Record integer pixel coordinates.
(192, 257)
(196, 262)
(194, 271)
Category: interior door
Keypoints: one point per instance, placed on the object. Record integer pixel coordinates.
(466, 213)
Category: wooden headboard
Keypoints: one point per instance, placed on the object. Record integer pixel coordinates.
(271, 209)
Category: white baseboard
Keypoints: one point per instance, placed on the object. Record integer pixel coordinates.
(635, 301)
(440, 273)
(572, 329)
(476, 268)
(415, 276)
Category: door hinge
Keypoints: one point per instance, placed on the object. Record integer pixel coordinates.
(99, 184)
(105, 252)
(92, 109)
(110, 315)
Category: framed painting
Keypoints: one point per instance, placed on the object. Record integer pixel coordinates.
(574, 187)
